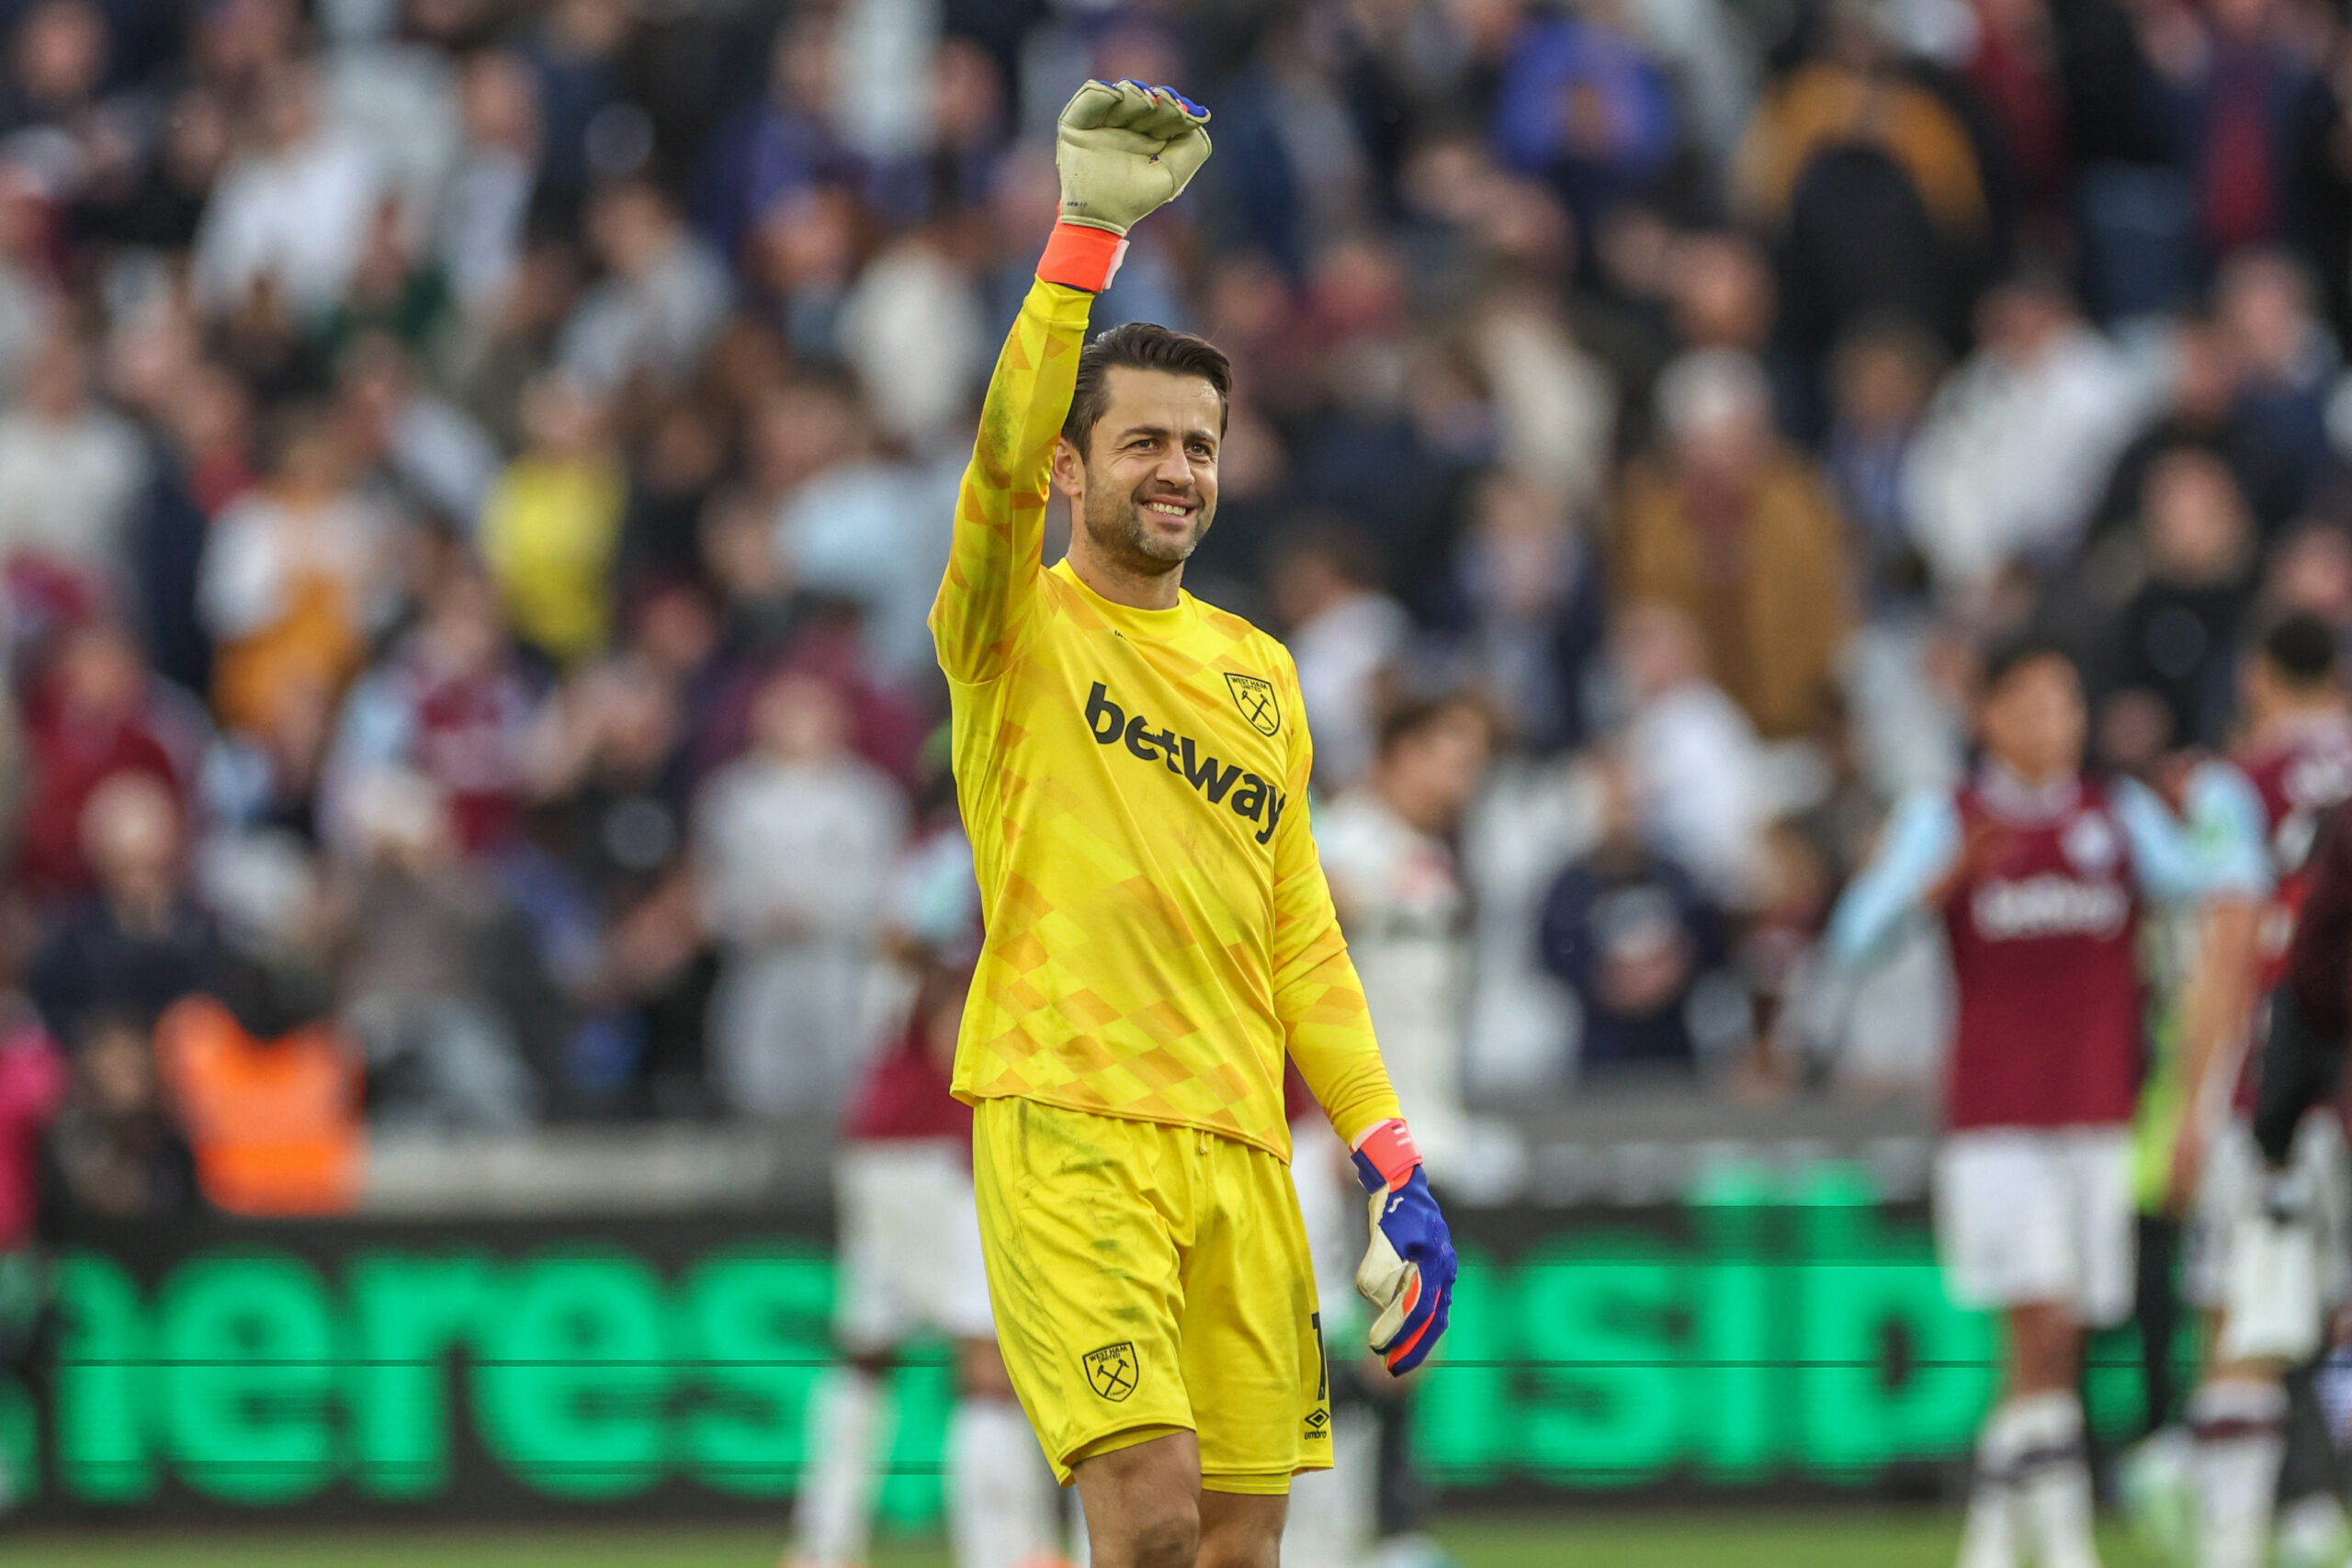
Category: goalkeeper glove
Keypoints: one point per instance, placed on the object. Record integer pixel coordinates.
(1408, 1272)
(1123, 150)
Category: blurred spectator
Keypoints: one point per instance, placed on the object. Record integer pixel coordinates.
(1343, 634)
(914, 331)
(450, 704)
(115, 1151)
(417, 446)
(2180, 636)
(1536, 601)
(32, 1085)
(614, 904)
(437, 971)
(2242, 107)
(1581, 104)
(670, 487)
(2018, 444)
(274, 1119)
(2287, 361)
(1870, 184)
(2204, 412)
(69, 472)
(1736, 529)
(1631, 934)
(294, 211)
(91, 714)
(795, 841)
(293, 578)
(138, 942)
(551, 525)
(1881, 377)
(1385, 846)
(488, 198)
(1689, 756)
(662, 299)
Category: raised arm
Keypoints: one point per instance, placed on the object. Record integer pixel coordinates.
(979, 618)
(1920, 846)
(1122, 150)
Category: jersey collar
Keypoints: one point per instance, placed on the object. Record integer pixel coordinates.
(1126, 618)
(2012, 797)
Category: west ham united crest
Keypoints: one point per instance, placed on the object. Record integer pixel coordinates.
(1255, 698)
(1113, 1370)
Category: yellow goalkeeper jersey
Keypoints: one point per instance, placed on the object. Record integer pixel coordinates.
(1159, 931)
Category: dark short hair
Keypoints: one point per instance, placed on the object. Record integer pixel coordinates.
(1140, 345)
(2301, 648)
(1411, 717)
(2004, 659)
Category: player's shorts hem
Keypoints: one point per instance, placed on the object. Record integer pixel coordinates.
(1112, 1442)
(1253, 1483)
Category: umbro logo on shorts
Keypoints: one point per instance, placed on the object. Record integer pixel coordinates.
(1318, 1426)
(1113, 1370)
(1256, 800)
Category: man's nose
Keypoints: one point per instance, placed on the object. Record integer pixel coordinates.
(1175, 468)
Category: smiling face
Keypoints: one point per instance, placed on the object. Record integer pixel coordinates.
(1146, 488)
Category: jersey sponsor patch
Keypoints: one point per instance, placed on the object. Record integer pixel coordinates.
(1111, 1370)
(1255, 698)
(1244, 793)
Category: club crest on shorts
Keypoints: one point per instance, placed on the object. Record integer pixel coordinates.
(1255, 698)
(1113, 1370)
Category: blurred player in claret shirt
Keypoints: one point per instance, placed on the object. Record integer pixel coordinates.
(909, 1255)
(2039, 874)
(2260, 814)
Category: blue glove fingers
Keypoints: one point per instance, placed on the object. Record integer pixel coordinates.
(1418, 1338)
(1187, 104)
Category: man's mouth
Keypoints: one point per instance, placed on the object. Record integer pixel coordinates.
(1180, 510)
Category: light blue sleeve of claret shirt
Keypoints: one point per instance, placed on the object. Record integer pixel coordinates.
(2232, 833)
(2176, 861)
(1917, 847)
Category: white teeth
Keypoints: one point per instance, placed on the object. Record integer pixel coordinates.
(1163, 507)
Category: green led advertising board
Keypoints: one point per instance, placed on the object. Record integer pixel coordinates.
(1767, 1333)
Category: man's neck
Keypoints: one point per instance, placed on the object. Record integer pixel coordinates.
(1123, 584)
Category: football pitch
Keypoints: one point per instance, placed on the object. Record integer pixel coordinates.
(1700, 1538)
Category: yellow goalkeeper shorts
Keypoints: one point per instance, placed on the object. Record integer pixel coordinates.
(1148, 1279)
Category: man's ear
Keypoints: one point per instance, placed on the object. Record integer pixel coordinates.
(1070, 470)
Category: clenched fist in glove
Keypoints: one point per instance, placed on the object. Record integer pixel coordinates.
(1123, 150)
(1408, 1272)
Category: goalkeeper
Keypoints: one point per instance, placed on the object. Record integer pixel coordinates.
(1132, 765)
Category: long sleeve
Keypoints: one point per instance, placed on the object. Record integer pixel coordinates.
(982, 617)
(1327, 1025)
(1921, 841)
(2171, 863)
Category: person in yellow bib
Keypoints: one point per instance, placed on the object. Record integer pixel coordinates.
(1132, 766)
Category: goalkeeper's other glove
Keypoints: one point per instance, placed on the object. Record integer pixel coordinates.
(1408, 1272)
(1123, 149)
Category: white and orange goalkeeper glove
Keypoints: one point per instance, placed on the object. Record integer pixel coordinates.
(1123, 150)
(1408, 1272)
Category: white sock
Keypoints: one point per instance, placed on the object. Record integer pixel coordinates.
(2044, 1432)
(1001, 1500)
(1334, 1513)
(2311, 1529)
(2240, 1425)
(847, 1421)
(1989, 1539)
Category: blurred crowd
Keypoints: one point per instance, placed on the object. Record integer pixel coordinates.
(472, 475)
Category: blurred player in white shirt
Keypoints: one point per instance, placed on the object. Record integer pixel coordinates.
(1407, 918)
(910, 1265)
